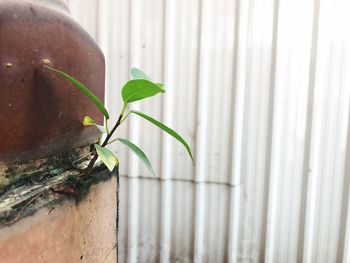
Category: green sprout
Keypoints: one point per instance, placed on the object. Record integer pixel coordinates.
(139, 87)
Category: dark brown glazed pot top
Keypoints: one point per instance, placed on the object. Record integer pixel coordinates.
(59, 4)
(40, 113)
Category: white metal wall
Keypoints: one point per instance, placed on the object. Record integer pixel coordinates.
(261, 90)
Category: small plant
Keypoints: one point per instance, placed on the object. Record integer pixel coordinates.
(138, 88)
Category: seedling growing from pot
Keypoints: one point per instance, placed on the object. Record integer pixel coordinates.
(139, 87)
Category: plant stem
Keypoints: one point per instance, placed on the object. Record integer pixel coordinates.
(105, 142)
(125, 117)
(112, 141)
(107, 129)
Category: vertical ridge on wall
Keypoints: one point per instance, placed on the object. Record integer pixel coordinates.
(166, 187)
(270, 121)
(309, 119)
(261, 90)
(134, 126)
(239, 105)
(341, 248)
(202, 111)
(344, 242)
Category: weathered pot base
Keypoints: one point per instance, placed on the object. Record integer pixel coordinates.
(68, 232)
(50, 214)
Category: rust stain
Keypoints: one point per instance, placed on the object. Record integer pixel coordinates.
(65, 189)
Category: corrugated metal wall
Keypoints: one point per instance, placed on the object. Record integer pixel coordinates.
(261, 89)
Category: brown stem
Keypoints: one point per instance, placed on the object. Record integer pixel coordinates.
(109, 135)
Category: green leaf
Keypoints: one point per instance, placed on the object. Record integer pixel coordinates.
(166, 129)
(107, 157)
(82, 88)
(88, 121)
(138, 152)
(161, 85)
(139, 89)
(138, 74)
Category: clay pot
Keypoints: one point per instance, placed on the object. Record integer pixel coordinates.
(47, 212)
(41, 113)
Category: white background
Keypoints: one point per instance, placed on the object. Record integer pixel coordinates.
(261, 90)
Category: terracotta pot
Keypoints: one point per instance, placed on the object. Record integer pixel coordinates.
(47, 212)
(40, 113)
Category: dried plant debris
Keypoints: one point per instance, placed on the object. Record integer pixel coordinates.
(47, 188)
(14, 175)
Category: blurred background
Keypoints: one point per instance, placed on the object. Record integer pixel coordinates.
(261, 90)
